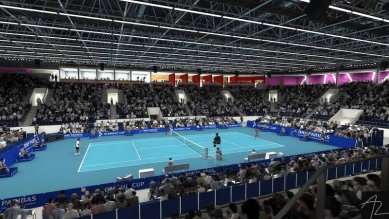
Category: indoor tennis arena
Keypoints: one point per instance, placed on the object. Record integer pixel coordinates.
(194, 109)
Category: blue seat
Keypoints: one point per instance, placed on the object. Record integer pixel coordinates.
(304, 139)
(41, 148)
(12, 171)
(26, 159)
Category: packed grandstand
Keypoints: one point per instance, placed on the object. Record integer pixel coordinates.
(79, 108)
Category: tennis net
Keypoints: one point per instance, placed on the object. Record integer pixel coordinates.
(196, 147)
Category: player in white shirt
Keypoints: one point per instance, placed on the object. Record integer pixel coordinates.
(77, 147)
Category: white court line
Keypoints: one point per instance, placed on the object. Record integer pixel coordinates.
(240, 146)
(251, 147)
(170, 146)
(133, 145)
(137, 160)
(136, 140)
(259, 138)
(83, 158)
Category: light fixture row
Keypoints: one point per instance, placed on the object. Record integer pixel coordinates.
(216, 34)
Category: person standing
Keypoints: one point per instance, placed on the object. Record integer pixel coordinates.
(205, 153)
(77, 147)
(216, 140)
(13, 211)
(219, 154)
(257, 132)
(36, 129)
(170, 162)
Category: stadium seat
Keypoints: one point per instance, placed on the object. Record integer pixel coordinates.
(26, 159)
(41, 148)
(12, 172)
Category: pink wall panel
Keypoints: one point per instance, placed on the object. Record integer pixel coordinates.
(383, 75)
(316, 79)
(362, 76)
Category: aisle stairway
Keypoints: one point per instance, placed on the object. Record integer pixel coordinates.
(27, 121)
(113, 112)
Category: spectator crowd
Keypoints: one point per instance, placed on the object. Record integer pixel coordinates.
(328, 127)
(72, 103)
(208, 101)
(14, 99)
(373, 99)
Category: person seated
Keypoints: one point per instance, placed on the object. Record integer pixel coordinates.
(282, 131)
(170, 162)
(306, 135)
(219, 154)
(23, 152)
(3, 143)
(37, 143)
(3, 166)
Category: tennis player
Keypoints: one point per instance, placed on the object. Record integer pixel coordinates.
(77, 147)
(257, 132)
(216, 140)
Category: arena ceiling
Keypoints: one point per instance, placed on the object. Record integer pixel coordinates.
(221, 35)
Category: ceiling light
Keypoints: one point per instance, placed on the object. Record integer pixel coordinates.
(216, 34)
(135, 23)
(28, 9)
(87, 17)
(179, 29)
(40, 26)
(60, 38)
(197, 12)
(148, 4)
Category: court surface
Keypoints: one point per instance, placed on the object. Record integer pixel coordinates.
(107, 155)
(105, 158)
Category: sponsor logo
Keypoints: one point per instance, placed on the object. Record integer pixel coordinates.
(209, 126)
(77, 135)
(112, 133)
(138, 184)
(148, 131)
(28, 145)
(182, 129)
(27, 200)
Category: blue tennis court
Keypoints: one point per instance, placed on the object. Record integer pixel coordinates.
(105, 158)
(115, 154)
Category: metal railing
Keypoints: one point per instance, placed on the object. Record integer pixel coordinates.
(319, 178)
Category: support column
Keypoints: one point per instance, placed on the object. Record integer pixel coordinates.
(337, 77)
(377, 76)
(321, 194)
(307, 81)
